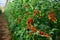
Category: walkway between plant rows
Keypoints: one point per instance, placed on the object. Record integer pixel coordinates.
(4, 31)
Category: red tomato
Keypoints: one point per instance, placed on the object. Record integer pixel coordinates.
(30, 20)
(42, 33)
(35, 12)
(47, 35)
(33, 29)
(51, 16)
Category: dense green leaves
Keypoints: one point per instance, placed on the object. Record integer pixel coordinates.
(17, 13)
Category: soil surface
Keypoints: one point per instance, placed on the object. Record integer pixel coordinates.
(4, 31)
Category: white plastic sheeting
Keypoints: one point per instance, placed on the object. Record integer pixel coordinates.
(2, 3)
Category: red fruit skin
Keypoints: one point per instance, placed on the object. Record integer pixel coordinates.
(51, 16)
(33, 29)
(35, 12)
(47, 35)
(30, 20)
(42, 33)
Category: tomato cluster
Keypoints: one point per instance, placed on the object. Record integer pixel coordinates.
(33, 29)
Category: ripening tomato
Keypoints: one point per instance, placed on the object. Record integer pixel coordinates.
(33, 28)
(35, 12)
(52, 17)
(51, 14)
(30, 20)
(18, 20)
(47, 35)
(42, 33)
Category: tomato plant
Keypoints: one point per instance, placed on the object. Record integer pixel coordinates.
(33, 19)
